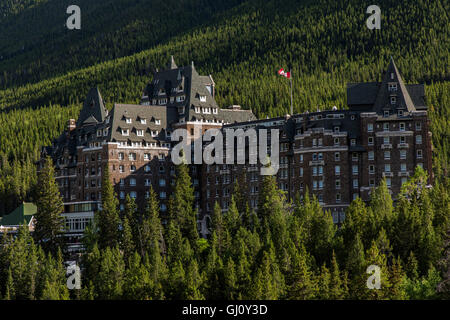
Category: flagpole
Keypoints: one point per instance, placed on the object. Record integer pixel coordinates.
(292, 108)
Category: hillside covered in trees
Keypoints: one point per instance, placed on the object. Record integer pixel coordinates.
(46, 70)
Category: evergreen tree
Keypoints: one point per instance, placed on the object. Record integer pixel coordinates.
(55, 287)
(300, 281)
(49, 221)
(108, 221)
(110, 279)
(338, 282)
(397, 281)
(240, 196)
(127, 244)
(375, 257)
(193, 282)
(323, 283)
(230, 280)
(158, 271)
(232, 218)
(272, 212)
(151, 232)
(181, 206)
(219, 228)
(137, 281)
(23, 266)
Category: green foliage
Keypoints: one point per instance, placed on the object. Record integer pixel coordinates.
(108, 221)
(326, 42)
(49, 227)
(278, 252)
(181, 205)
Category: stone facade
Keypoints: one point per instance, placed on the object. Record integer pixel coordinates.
(336, 154)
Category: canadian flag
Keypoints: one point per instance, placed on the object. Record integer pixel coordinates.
(283, 73)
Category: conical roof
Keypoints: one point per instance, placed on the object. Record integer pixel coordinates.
(403, 99)
(93, 108)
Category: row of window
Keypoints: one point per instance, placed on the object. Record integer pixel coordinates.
(147, 169)
(140, 132)
(386, 126)
(142, 144)
(387, 140)
(142, 121)
(147, 156)
(206, 110)
(163, 101)
(93, 157)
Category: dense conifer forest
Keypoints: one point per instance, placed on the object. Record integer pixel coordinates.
(46, 71)
(280, 251)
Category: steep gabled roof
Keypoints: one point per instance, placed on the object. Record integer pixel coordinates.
(23, 213)
(375, 96)
(93, 110)
(402, 94)
(119, 113)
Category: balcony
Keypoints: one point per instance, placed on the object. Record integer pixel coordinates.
(402, 145)
(386, 146)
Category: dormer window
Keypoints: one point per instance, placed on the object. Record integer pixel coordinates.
(143, 121)
(392, 76)
(180, 98)
(162, 101)
(161, 91)
(353, 142)
(128, 120)
(392, 87)
(336, 129)
(386, 113)
(154, 133)
(154, 101)
(180, 88)
(393, 100)
(125, 132)
(402, 126)
(157, 121)
(197, 109)
(99, 133)
(215, 110)
(400, 113)
(202, 98)
(140, 133)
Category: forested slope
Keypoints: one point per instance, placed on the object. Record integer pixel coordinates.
(241, 43)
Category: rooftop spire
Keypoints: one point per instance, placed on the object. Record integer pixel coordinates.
(401, 94)
(172, 64)
(93, 108)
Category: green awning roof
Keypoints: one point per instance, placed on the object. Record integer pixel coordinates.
(22, 213)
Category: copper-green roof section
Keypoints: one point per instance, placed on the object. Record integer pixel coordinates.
(22, 213)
